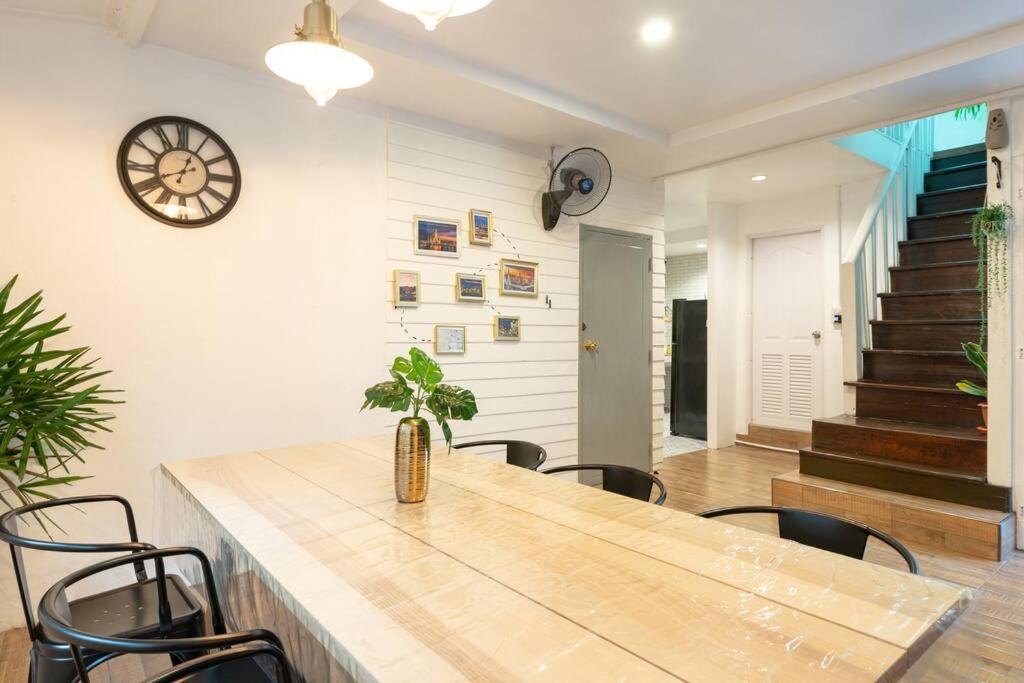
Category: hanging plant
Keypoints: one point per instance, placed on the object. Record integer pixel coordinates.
(988, 233)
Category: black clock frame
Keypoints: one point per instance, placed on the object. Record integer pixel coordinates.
(127, 185)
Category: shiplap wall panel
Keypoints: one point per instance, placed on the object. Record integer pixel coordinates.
(527, 389)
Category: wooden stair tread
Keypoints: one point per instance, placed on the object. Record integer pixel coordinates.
(970, 165)
(871, 384)
(916, 352)
(905, 499)
(896, 465)
(927, 321)
(962, 433)
(950, 190)
(935, 240)
(932, 266)
(927, 292)
(942, 214)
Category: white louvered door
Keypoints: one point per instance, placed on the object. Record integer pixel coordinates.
(787, 318)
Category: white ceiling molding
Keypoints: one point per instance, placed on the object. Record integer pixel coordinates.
(374, 36)
(128, 19)
(968, 50)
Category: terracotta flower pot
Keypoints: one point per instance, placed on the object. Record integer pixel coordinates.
(984, 416)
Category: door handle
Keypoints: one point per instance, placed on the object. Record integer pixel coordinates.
(816, 334)
(590, 345)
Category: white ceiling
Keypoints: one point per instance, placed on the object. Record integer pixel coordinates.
(789, 171)
(737, 76)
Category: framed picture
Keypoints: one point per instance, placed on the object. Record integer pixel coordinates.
(480, 227)
(407, 289)
(506, 328)
(449, 339)
(519, 278)
(470, 287)
(435, 237)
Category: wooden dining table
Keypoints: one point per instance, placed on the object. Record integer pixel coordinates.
(505, 574)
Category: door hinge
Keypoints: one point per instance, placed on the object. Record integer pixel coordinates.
(650, 264)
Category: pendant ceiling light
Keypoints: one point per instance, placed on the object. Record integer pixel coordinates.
(316, 59)
(433, 12)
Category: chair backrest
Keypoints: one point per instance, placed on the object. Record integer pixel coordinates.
(54, 619)
(10, 534)
(625, 481)
(186, 670)
(519, 453)
(821, 530)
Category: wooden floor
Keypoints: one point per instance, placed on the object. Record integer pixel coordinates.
(985, 644)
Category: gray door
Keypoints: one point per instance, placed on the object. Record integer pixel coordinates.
(615, 348)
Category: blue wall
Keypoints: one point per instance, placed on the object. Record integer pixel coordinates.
(950, 133)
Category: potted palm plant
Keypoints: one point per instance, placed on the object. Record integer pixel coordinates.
(51, 406)
(979, 359)
(416, 384)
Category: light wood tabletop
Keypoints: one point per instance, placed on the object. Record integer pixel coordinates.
(504, 574)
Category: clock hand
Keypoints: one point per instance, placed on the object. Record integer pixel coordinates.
(185, 170)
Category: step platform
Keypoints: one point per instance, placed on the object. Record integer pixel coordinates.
(921, 522)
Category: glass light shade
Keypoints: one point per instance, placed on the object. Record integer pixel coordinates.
(321, 68)
(433, 12)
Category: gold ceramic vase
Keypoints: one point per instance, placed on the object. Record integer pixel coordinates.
(412, 460)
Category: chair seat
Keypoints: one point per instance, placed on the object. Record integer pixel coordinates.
(133, 611)
(235, 671)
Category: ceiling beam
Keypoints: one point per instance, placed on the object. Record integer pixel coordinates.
(976, 47)
(374, 36)
(128, 19)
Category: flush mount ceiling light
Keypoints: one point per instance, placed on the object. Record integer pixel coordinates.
(433, 12)
(316, 60)
(656, 31)
(759, 178)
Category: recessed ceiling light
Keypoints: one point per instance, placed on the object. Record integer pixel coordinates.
(656, 31)
(759, 178)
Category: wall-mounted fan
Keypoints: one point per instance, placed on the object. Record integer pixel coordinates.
(579, 183)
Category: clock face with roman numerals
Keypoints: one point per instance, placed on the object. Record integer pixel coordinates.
(179, 172)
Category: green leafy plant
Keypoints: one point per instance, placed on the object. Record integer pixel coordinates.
(416, 384)
(50, 404)
(970, 112)
(979, 359)
(988, 233)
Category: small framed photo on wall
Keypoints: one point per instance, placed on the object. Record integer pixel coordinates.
(470, 287)
(506, 328)
(449, 339)
(407, 289)
(435, 237)
(519, 278)
(481, 227)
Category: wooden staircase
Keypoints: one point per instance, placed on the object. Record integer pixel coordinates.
(914, 433)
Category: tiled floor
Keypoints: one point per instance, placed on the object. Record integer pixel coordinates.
(677, 445)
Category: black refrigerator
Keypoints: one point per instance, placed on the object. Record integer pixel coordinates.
(689, 400)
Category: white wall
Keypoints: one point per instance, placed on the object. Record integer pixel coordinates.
(263, 329)
(835, 211)
(686, 277)
(529, 387)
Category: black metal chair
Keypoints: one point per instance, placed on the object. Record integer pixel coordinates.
(50, 658)
(225, 663)
(625, 481)
(821, 530)
(518, 453)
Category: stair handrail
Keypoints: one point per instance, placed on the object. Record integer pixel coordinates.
(867, 221)
(864, 270)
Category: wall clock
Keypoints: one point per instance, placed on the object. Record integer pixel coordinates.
(179, 172)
